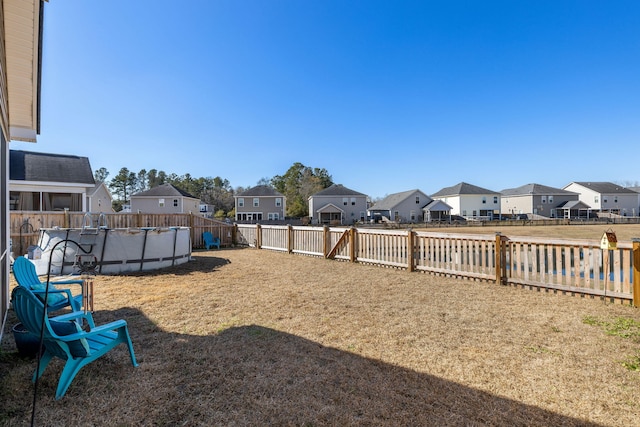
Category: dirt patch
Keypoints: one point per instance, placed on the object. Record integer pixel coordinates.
(254, 337)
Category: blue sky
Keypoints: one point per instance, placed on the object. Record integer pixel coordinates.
(387, 96)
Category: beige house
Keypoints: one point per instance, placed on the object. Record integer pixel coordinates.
(260, 203)
(99, 199)
(20, 65)
(337, 205)
(164, 198)
(406, 206)
(48, 182)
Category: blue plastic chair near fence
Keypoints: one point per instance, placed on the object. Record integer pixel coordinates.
(210, 241)
(64, 338)
(25, 274)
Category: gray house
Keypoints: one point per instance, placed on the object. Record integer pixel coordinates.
(337, 205)
(164, 198)
(49, 182)
(540, 200)
(260, 203)
(405, 206)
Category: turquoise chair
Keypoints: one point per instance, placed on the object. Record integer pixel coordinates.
(64, 338)
(210, 241)
(25, 274)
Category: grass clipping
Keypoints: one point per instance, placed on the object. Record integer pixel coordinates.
(248, 337)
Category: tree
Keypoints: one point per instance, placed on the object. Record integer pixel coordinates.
(123, 184)
(297, 184)
(141, 181)
(101, 175)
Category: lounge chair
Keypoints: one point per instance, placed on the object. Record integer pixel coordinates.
(210, 241)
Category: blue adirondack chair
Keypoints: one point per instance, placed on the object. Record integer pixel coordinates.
(210, 241)
(64, 338)
(25, 274)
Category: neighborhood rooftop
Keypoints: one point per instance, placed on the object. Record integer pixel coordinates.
(32, 166)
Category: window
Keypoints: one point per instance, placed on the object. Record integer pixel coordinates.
(175, 203)
(278, 202)
(595, 199)
(417, 200)
(345, 201)
(605, 199)
(495, 200)
(484, 200)
(256, 202)
(412, 215)
(550, 199)
(273, 216)
(161, 203)
(615, 199)
(240, 202)
(543, 199)
(353, 201)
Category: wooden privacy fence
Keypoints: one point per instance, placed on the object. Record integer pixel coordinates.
(575, 266)
(25, 225)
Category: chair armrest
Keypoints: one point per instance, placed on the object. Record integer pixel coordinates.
(111, 326)
(55, 291)
(75, 315)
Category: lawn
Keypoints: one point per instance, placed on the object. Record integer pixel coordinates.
(245, 337)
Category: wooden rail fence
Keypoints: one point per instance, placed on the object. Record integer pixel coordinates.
(573, 266)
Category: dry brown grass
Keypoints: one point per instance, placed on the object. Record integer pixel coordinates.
(246, 338)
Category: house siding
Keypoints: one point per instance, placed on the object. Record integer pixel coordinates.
(354, 210)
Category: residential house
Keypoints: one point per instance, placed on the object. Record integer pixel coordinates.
(540, 200)
(99, 199)
(606, 197)
(437, 210)
(337, 205)
(637, 190)
(405, 206)
(260, 203)
(48, 182)
(20, 67)
(164, 198)
(470, 201)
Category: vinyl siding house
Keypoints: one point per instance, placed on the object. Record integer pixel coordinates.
(436, 210)
(541, 200)
(470, 201)
(606, 197)
(260, 203)
(164, 198)
(337, 205)
(20, 67)
(49, 182)
(99, 199)
(405, 207)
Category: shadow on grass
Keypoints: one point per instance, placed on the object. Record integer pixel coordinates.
(250, 375)
(200, 262)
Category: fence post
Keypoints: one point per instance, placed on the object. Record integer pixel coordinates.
(636, 272)
(352, 246)
(410, 249)
(258, 236)
(289, 238)
(501, 259)
(326, 240)
(67, 220)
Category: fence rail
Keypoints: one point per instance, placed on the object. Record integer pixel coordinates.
(25, 226)
(575, 266)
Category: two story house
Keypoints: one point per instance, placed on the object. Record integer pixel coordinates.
(338, 205)
(406, 206)
(606, 197)
(470, 201)
(260, 203)
(164, 198)
(540, 200)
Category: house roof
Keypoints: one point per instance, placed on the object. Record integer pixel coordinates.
(636, 189)
(260, 191)
(392, 200)
(164, 190)
(330, 207)
(463, 188)
(573, 204)
(97, 187)
(337, 190)
(536, 190)
(45, 167)
(605, 187)
(437, 206)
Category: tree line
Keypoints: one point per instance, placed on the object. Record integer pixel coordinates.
(296, 184)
